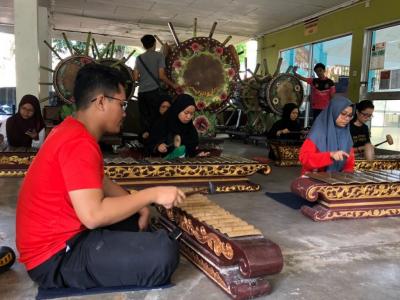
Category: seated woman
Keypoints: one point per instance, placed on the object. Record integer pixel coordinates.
(151, 138)
(359, 130)
(178, 122)
(328, 146)
(287, 128)
(26, 126)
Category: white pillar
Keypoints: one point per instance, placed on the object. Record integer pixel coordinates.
(26, 48)
(44, 51)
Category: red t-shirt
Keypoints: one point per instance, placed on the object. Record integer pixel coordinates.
(313, 160)
(322, 90)
(70, 159)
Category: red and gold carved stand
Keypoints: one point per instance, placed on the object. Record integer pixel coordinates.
(226, 173)
(238, 265)
(350, 200)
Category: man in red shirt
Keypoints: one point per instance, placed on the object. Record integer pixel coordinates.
(322, 89)
(75, 227)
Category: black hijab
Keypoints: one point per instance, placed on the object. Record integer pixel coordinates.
(286, 122)
(187, 132)
(16, 126)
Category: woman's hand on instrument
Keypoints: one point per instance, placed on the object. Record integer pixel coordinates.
(32, 134)
(203, 153)
(145, 135)
(283, 131)
(169, 196)
(339, 155)
(162, 148)
(144, 215)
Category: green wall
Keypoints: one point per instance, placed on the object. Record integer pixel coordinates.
(352, 20)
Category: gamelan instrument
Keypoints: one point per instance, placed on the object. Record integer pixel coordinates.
(7, 258)
(388, 140)
(206, 69)
(65, 74)
(227, 173)
(286, 152)
(380, 162)
(231, 252)
(341, 195)
(16, 163)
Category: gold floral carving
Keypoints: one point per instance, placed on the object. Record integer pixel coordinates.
(353, 191)
(206, 238)
(238, 188)
(162, 171)
(377, 165)
(16, 160)
(204, 266)
(12, 173)
(355, 214)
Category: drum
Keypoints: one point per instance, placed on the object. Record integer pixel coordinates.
(65, 74)
(126, 74)
(282, 89)
(206, 69)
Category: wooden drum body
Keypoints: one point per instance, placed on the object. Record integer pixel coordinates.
(363, 194)
(125, 71)
(65, 74)
(282, 89)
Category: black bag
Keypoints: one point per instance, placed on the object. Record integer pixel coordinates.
(162, 91)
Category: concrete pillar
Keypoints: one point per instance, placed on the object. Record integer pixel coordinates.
(26, 48)
(44, 51)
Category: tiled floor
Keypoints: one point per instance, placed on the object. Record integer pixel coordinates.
(352, 259)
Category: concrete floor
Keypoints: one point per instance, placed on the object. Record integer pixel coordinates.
(349, 259)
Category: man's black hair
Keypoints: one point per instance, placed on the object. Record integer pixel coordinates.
(93, 79)
(148, 41)
(319, 65)
(363, 105)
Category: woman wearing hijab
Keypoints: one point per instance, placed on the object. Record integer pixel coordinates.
(25, 126)
(288, 127)
(178, 123)
(328, 146)
(152, 137)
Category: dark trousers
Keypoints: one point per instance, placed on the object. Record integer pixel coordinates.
(149, 105)
(111, 256)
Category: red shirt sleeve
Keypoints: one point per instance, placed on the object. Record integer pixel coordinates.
(309, 80)
(350, 162)
(81, 165)
(311, 158)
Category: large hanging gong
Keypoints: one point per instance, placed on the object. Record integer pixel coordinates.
(282, 89)
(125, 71)
(205, 69)
(65, 74)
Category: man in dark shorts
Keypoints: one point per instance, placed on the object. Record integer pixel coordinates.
(322, 89)
(75, 227)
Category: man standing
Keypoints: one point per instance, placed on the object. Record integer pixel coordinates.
(322, 89)
(149, 70)
(77, 228)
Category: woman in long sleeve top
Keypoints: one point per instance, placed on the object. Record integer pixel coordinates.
(328, 146)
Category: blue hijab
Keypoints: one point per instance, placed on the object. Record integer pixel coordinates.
(329, 137)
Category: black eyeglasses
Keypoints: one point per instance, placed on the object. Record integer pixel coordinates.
(124, 102)
(366, 115)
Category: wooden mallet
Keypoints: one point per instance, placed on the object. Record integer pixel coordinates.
(388, 140)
